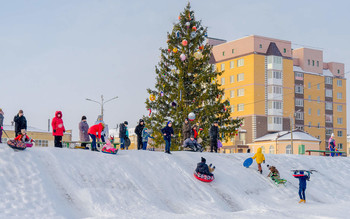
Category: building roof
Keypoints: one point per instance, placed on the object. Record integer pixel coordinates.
(29, 129)
(286, 136)
(273, 50)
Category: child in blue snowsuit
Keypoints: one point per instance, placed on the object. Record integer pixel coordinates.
(145, 135)
(302, 184)
(168, 132)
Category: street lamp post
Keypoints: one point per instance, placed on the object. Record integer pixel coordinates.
(102, 102)
(291, 124)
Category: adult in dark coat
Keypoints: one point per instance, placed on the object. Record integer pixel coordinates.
(20, 122)
(83, 131)
(186, 130)
(168, 132)
(138, 131)
(214, 135)
(123, 134)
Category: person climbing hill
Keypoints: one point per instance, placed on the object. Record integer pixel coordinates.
(260, 158)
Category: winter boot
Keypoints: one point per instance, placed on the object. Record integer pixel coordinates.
(301, 200)
(260, 171)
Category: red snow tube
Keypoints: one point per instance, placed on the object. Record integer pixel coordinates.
(109, 151)
(29, 145)
(203, 177)
(18, 145)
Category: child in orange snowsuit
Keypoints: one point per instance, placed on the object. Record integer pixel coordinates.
(260, 158)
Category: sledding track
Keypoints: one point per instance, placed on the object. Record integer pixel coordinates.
(67, 183)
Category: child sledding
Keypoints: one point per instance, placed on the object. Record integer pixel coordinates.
(192, 144)
(204, 172)
(21, 142)
(275, 175)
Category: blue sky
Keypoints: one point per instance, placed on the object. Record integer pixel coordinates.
(54, 54)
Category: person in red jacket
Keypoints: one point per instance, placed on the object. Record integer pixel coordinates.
(58, 128)
(94, 132)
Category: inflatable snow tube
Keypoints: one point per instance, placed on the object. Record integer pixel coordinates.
(18, 145)
(109, 151)
(29, 145)
(203, 177)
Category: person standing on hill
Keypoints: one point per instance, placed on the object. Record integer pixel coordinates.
(58, 128)
(302, 184)
(214, 135)
(168, 132)
(186, 130)
(20, 122)
(95, 132)
(123, 134)
(83, 131)
(331, 144)
(1, 123)
(138, 131)
(260, 158)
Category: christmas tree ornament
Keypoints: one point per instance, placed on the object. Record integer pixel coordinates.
(198, 55)
(174, 104)
(169, 50)
(183, 57)
(187, 25)
(175, 50)
(161, 93)
(149, 111)
(201, 47)
(152, 97)
(193, 34)
(184, 42)
(191, 116)
(179, 17)
(177, 33)
(194, 28)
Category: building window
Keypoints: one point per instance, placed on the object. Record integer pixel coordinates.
(284, 50)
(318, 125)
(339, 83)
(340, 146)
(318, 99)
(339, 95)
(222, 81)
(277, 60)
(299, 76)
(240, 62)
(329, 93)
(313, 62)
(299, 116)
(271, 149)
(240, 92)
(299, 89)
(309, 85)
(318, 86)
(240, 77)
(223, 67)
(329, 131)
(340, 108)
(275, 120)
(260, 46)
(299, 127)
(309, 98)
(232, 93)
(289, 149)
(340, 133)
(299, 102)
(240, 107)
(329, 80)
(42, 143)
(223, 53)
(233, 51)
(318, 64)
(309, 124)
(329, 106)
(308, 62)
(309, 111)
(340, 121)
(277, 74)
(275, 105)
(232, 108)
(338, 71)
(232, 79)
(329, 118)
(232, 64)
(318, 112)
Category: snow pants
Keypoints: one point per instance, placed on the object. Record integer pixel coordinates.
(58, 141)
(332, 149)
(302, 193)
(93, 144)
(144, 145)
(139, 143)
(167, 145)
(214, 145)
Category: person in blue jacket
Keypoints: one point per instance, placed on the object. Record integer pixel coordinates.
(302, 184)
(168, 132)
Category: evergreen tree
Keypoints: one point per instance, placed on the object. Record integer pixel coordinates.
(186, 82)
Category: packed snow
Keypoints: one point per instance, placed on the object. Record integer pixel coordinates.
(73, 183)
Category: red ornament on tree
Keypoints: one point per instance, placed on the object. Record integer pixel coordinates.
(184, 42)
(194, 28)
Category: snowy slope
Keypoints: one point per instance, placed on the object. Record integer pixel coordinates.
(68, 183)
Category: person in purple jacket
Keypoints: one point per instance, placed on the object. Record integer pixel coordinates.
(83, 131)
(302, 184)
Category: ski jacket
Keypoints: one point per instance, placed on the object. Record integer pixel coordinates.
(203, 169)
(259, 156)
(83, 131)
(186, 130)
(302, 180)
(214, 132)
(1, 119)
(96, 130)
(331, 144)
(57, 125)
(193, 144)
(139, 129)
(123, 131)
(23, 138)
(194, 133)
(145, 135)
(20, 123)
(168, 131)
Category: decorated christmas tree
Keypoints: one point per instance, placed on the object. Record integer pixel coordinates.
(187, 86)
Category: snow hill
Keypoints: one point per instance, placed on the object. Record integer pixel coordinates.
(73, 183)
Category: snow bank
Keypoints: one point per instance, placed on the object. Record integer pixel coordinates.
(68, 183)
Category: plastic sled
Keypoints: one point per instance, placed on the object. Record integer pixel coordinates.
(248, 162)
(203, 177)
(29, 144)
(109, 151)
(16, 145)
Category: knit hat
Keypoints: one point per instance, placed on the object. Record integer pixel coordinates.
(203, 160)
(169, 122)
(141, 120)
(83, 118)
(332, 135)
(216, 122)
(126, 123)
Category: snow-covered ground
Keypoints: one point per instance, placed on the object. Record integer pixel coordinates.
(73, 183)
